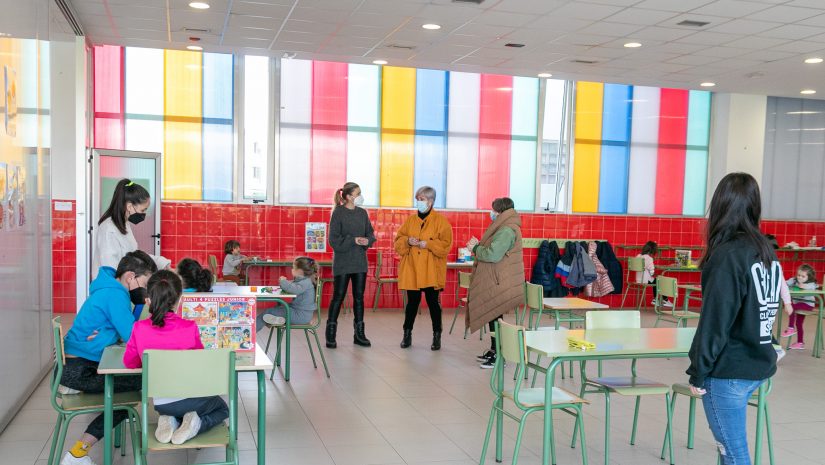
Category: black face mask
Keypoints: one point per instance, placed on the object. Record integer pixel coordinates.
(138, 295)
(137, 218)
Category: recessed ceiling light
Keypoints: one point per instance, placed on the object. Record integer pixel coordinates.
(199, 5)
(632, 45)
(807, 92)
(379, 62)
(813, 60)
(545, 75)
(195, 48)
(707, 84)
(431, 26)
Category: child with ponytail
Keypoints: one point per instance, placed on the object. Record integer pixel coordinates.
(195, 277)
(180, 419)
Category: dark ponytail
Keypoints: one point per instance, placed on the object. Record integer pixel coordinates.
(125, 192)
(194, 276)
(164, 290)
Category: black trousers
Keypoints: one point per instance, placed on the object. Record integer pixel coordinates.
(81, 374)
(492, 327)
(414, 300)
(339, 291)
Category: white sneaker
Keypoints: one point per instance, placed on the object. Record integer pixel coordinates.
(273, 320)
(166, 427)
(70, 459)
(668, 303)
(66, 391)
(188, 429)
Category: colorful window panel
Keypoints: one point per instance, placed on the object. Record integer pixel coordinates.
(393, 129)
(640, 150)
(178, 103)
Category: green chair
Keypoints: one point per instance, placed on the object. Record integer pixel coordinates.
(669, 287)
(309, 328)
(634, 265)
(191, 373)
(463, 283)
(511, 347)
(684, 390)
(534, 304)
(212, 263)
(380, 279)
(68, 406)
(623, 385)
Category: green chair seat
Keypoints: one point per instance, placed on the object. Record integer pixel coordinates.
(534, 397)
(84, 400)
(631, 385)
(215, 437)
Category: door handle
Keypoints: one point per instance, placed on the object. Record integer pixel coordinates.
(156, 236)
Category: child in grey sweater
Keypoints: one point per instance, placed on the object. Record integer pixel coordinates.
(304, 272)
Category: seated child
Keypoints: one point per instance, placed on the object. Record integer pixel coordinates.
(805, 279)
(232, 261)
(195, 277)
(649, 250)
(180, 419)
(305, 273)
(104, 319)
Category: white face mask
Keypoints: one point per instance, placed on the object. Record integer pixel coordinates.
(359, 201)
(422, 206)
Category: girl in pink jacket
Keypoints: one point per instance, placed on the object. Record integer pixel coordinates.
(180, 419)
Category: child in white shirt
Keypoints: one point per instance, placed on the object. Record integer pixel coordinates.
(648, 275)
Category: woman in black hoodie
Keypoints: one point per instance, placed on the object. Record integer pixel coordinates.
(731, 354)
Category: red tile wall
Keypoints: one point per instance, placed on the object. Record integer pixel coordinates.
(64, 275)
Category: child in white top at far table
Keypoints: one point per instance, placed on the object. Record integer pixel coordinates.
(805, 279)
(648, 275)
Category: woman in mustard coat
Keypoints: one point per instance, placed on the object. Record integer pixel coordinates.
(423, 243)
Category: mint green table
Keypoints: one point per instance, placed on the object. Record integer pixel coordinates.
(111, 365)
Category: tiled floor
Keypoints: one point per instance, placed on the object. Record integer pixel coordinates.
(386, 405)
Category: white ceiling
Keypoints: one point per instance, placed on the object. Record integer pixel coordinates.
(750, 46)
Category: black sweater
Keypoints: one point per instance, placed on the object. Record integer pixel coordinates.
(740, 299)
(344, 226)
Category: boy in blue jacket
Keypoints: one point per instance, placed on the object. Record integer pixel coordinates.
(104, 319)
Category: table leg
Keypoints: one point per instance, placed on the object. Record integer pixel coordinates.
(108, 418)
(818, 336)
(288, 339)
(262, 416)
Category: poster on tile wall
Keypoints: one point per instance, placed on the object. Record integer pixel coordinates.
(315, 238)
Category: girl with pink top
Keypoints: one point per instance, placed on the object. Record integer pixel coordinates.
(180, 419)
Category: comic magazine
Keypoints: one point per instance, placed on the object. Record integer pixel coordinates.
(223, 321)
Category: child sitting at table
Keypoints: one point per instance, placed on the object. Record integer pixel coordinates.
(805, 279)
(195, 277)
(232, 261)
(648, 275)
(180, 419)
(305, 275)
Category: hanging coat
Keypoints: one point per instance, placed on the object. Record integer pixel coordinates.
(582, 271)
(544, 270)
(564, 264)
(602, 285)
(614, 267)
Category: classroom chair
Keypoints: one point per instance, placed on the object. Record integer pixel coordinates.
(669, 287)
(684, 390)
(463, 283)
(632, 385)
(534, 304)
(191, 373)
(381, 279)
(212, 263)
(634, 264)
(309, 328)
(511, 347)
(68, 406)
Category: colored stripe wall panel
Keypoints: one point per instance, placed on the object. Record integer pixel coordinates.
(615, 154)
(643, 150)
(144, 99)
(495, 125)
(397, 140)
(696, 160)
(587, 150)
(295, 138)
(525, 117)
(670, 163)
(108, 95)
(363, 144)
(462, 140)
(218, 109)
(431, 105)
(328, 159)
(182, 160)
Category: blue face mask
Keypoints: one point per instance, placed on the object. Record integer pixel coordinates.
(422, 206)
(493, 216)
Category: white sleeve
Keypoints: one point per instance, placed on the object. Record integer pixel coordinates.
(161, 261)
(110, 248)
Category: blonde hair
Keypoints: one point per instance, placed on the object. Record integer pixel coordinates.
(308, 266)
(342, 193)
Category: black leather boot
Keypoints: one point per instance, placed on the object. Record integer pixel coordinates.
(332, 328)
(436, 341)
(406, 341)
(359, 338)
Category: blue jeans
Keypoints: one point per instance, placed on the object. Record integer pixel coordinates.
(726, 403)
(211, 410)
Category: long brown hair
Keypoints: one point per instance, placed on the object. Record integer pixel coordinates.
(342, 193)
(164, 290)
